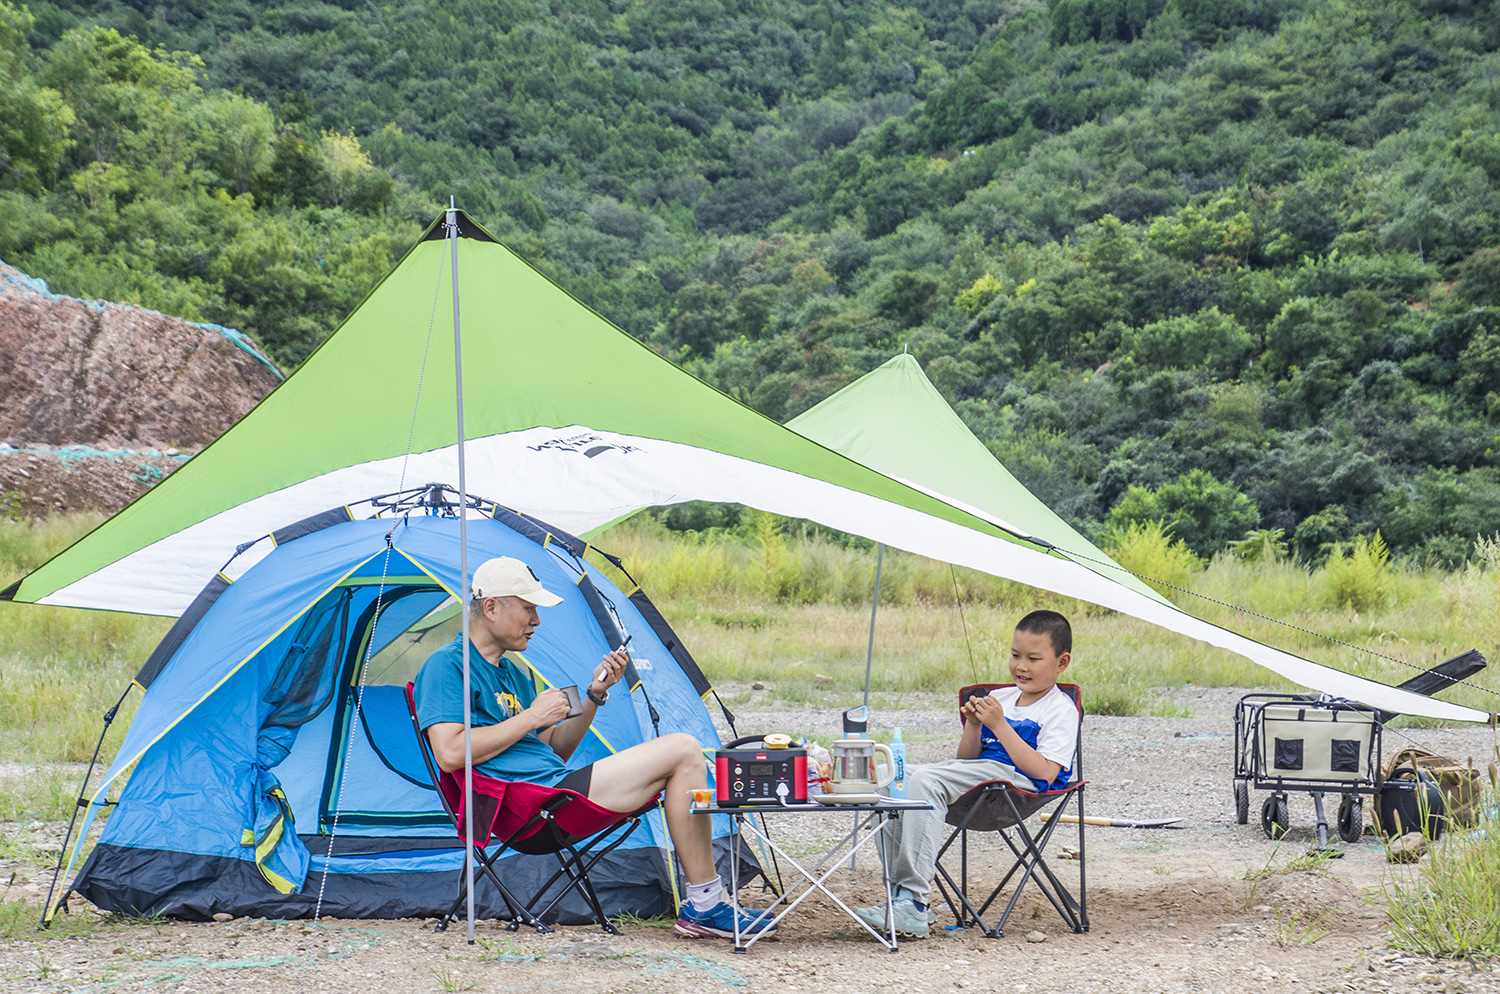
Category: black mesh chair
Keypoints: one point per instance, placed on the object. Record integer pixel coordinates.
(1002, 808)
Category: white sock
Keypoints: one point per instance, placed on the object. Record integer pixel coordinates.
(705, 897)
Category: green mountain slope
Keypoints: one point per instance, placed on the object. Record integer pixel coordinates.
(1229, 264)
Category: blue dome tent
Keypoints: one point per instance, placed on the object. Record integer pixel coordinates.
(273, 746)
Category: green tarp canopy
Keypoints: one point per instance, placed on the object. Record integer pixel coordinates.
(567, 419)
(893, 419)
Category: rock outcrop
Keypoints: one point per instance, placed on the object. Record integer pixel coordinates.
(99, 401)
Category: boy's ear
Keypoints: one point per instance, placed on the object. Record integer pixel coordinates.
(1063, 661)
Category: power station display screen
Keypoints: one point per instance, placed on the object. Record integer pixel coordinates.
(761, 769)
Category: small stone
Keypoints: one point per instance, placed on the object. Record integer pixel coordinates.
(822, 681)
(118, 951)
(223, 916)
(757, 685)
(1407, 849)
(1036, 937)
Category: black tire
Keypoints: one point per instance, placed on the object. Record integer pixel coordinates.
(1351, 818)
(1274, 820)
(1241, 802)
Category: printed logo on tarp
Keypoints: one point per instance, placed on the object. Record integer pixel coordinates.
(590, 444)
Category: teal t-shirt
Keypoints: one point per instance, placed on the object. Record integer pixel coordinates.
(496, 693)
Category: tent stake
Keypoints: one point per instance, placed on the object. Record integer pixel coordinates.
(463, 568)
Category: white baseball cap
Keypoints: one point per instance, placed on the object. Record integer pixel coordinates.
(507, 577)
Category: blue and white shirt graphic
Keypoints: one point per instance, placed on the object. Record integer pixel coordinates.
(1050, 726)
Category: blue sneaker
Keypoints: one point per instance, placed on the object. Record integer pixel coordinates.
(718, 922)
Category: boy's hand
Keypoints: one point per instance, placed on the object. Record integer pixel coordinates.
(987, 709)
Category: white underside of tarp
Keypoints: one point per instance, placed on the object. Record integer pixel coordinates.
(577, 478)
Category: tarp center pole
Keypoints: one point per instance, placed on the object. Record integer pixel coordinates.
(463, 569)
(874, 606)
(869, 659)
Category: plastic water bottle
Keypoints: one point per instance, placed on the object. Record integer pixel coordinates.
(898, 758)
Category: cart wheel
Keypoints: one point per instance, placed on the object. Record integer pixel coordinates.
(1274, 820)
(1241, 802)
(1351, 818)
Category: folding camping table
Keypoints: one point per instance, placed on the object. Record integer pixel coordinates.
(876, 817)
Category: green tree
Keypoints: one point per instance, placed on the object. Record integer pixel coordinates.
(1196, 508)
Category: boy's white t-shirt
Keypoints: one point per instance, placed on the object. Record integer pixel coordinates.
(1049, 725)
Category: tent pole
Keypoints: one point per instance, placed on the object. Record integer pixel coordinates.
(874, 604)
(463, 569)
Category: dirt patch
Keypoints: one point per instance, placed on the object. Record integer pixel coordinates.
(1211, 906)
(97, 399)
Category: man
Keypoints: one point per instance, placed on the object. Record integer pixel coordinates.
(519, 734)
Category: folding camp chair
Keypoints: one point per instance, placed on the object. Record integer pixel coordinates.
(1001, 807)
(535, 820)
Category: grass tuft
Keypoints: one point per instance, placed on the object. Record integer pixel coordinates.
(1451, 906)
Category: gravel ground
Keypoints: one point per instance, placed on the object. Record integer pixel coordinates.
(1172, 910)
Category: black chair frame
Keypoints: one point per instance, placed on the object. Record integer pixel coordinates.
(1002, 808)
(549, 839)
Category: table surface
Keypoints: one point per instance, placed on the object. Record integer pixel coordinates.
(891, 806)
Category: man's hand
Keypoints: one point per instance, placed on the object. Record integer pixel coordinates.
(550, 707)
(610, 672)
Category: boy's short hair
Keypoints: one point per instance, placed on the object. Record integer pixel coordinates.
(1052, 625)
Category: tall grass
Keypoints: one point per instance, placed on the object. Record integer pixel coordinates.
(1451, 906)
(782, 602)
(61, 669)
(779, 602)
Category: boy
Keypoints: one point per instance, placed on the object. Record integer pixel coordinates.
(1025, 734)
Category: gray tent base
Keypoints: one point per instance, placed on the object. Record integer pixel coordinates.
(155, 882)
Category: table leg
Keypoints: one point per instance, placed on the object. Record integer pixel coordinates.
(812, 882)
(885, 876)
(734, 880)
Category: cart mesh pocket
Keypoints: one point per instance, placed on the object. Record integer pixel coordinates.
(1288, 754)
(1345, 756)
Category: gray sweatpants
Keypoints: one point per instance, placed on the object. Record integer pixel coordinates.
(916, 836)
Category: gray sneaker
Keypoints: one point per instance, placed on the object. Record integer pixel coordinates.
(910, 922)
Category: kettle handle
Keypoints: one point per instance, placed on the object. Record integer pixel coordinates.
(890, 765)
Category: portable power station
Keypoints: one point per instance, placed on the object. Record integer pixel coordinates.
(756, 775)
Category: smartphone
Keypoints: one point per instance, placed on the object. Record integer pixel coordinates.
(575, 702)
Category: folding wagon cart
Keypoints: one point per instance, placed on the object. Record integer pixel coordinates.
(1284, 742)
